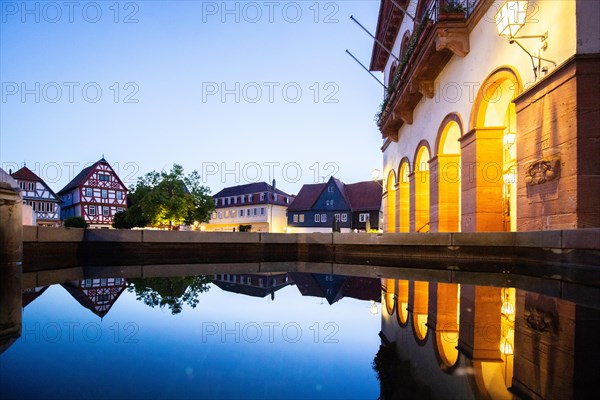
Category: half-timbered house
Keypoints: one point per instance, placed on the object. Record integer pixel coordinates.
(96, 194)
(38, 195)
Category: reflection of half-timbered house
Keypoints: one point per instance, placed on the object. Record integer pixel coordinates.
(96, 194)
(38, 195)
(96, 294)
(30, 294)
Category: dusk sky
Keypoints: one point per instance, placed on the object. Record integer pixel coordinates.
(234, 90)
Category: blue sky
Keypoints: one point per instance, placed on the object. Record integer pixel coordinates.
(240, 91)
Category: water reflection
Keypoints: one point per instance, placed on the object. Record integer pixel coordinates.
(484, 342)
(170, 292)
(438, 338)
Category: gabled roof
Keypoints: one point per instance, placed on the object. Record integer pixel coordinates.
(84, 174)
(307, 196)
(25, 174)
(360, 196)
(250, 188)
(365, 195)
(78, 294)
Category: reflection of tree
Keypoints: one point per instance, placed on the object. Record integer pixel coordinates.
(170, 292)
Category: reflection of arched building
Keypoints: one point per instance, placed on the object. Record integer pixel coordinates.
(96, 294)
(491, 342)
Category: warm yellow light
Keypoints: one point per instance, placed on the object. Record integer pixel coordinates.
(509, 178)
(508, 308)
(506, 347)
(373, 307)
(511, 17)
(375, 174)
(509, 139)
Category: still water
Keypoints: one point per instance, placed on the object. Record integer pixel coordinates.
(241, 334)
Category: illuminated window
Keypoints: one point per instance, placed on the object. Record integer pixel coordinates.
(363, 217)
(295, 217)
(301, 217)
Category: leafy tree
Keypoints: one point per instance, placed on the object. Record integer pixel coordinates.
(170, 292)
(75, 222)
(168, 199)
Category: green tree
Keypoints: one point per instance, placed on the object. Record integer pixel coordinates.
(170, 292)
(167, 199)
(75, 222)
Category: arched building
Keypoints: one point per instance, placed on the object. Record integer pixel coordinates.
(490, 118)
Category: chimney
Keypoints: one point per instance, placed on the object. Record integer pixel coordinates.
(273, 184)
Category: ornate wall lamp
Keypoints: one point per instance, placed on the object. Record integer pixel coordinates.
(510, 18)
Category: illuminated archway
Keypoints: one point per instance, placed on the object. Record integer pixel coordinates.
(402, 302)
(445, 177)
(488, 156)
(447, 323)
(391, 202)
(390, 293)
(404, 196)
(421, 219)
(420, 309)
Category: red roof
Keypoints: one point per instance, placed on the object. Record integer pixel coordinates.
(360, 196)
(84, 174)
(306, 197)
(364, 196)
(25, 174)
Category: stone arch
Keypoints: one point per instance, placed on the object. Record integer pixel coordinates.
(390, 294)
(391, 207)
(402, 302)
(404, 195)
(488, 156)
(419, 311)
(445, 176)
(447, 324)
(420, 191)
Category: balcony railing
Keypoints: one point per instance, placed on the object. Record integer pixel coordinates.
(452, 17)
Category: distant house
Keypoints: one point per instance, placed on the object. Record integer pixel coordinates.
(323, 207)
(255, 285)
(257, 207)
(96, 194)
(38, 195)
(335, 287)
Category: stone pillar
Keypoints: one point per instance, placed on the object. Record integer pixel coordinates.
(558, 142)
(11, 226)
(481, 180)
(444, 195)
(397, 219)
(412, 201)
(11, 305)
(11, 255)
(480, 319)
